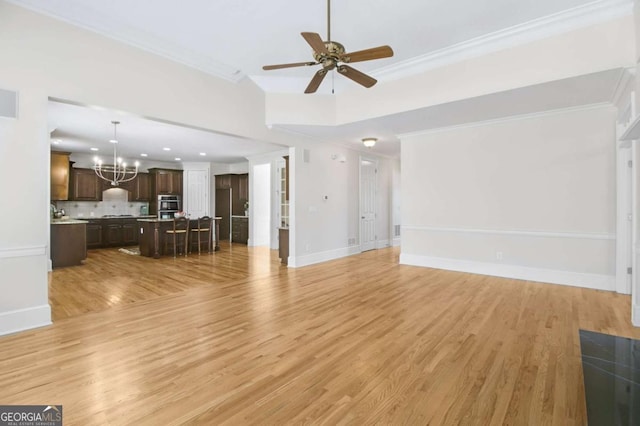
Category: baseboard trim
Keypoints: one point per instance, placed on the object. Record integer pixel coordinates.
(396, 242)
(635, 315)
(380, 244)
(24, 319)
(552, 276)
(324, 256)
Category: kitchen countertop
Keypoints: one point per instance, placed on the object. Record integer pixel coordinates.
(155, 219)
(150, 216)
(240, 216)
(67, 222)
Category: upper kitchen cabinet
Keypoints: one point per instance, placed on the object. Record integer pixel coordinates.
(223, 181)
(141, 188)
(243, 188)
(59, 176)
(85, 185)
(165, 181)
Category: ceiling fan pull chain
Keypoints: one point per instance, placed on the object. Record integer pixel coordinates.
(333, 82)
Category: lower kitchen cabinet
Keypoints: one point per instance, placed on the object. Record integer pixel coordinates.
(240, 229)
(68, 243)
(94, 234)
(112, 233)
(129, 232)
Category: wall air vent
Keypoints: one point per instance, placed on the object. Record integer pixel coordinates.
(8, 104)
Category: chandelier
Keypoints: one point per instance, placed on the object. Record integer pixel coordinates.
(117, 173)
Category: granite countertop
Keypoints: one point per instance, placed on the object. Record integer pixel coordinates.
(239, 216)
(67, 222)
(149, 216)
(155, 219)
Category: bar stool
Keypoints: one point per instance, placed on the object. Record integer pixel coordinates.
(179, 235)
(203, 230)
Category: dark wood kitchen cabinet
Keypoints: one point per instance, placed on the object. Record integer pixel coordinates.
(94, 234)
(112, 233)
(243, 188)
(166, 181)
(119, 232)
(239, 186)
(240, 230)
(223, 181)
(85, 185)
(141, 188)
(129, 232)
(68, 244)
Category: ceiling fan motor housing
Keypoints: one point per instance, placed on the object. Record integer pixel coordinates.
(336, 50)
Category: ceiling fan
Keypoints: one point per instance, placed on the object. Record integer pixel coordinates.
(332, 55)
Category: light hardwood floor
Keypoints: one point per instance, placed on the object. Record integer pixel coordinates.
(234, 338)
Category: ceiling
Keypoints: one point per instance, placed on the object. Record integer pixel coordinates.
(78, 129)
(233, 39)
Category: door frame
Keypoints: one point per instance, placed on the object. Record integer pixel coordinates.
(373, 160)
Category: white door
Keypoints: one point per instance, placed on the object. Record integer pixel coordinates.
(196, 200)
(368, 172)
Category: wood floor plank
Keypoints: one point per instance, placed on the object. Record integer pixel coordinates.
(235, 338)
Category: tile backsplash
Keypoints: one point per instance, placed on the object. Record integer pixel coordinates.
(114, 202)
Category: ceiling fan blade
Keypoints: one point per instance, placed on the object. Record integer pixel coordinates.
(315, 81)
(357, 76)
(316, 43)
(296, 64)
(368, 54)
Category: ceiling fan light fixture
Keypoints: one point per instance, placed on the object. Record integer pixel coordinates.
(369, 142)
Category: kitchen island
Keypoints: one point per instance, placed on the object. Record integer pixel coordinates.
(153, 232)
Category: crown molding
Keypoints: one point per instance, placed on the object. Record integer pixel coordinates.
(537, 29)
(147, 42)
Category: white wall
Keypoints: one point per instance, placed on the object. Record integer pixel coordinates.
(41, 58)
(396, 212)
(516, 63)
(24, 238)
(261, 203)
(530, 197)
(323, 227)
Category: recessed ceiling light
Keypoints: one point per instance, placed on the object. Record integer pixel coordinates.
(113, 141)
(56, 141)
(143, 155)
(203, 153)
(178, 158)
(94, 149)
(166, 149)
